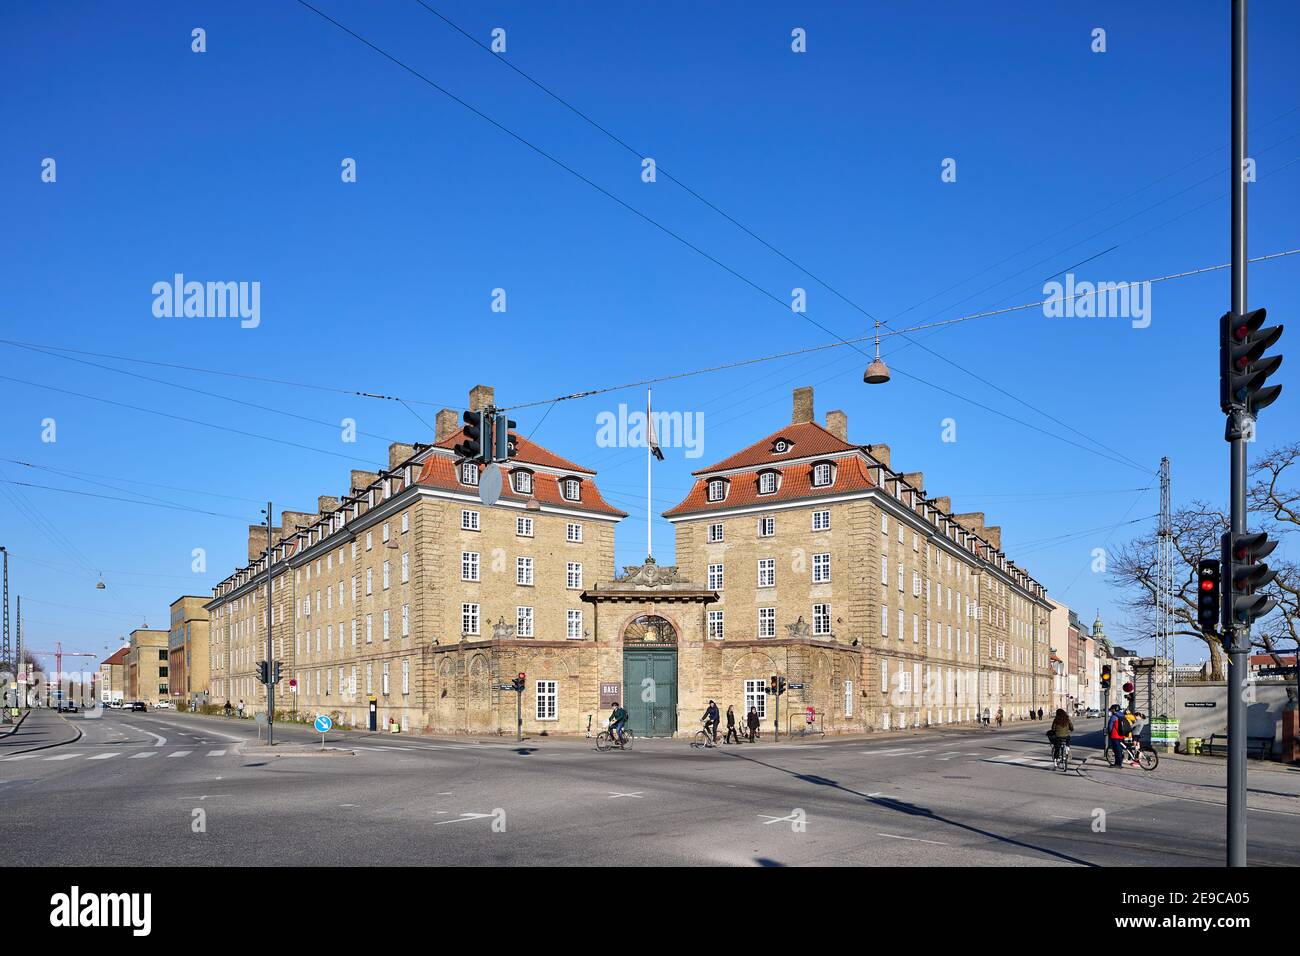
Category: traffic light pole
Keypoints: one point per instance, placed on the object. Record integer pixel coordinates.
(1237, 636)
(270, 659)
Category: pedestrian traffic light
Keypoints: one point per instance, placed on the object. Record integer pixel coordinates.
(275, 676)
(263, 672)
(780, 686)
(771, 687)
(1105, 677)
(1243, 368)
(1208, 583)
(1246, 575)
(477, 445)
(504, 448)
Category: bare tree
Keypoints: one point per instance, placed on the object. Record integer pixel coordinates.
(1278, 503)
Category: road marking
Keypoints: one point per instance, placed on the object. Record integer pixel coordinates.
(948, 755)
(64, 757)
(792, 817)
(101, 757)
(20, 757)
(142, 754)
(636, 795)
(216, 753)
(159, 739)
(895, 836)
(464, 817)
(180, 753)
(887, 753)
(882, 796)
(918, 753)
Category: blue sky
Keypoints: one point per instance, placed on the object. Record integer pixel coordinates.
(225, 166)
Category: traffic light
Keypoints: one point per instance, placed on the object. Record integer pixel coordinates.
(1208, 583)
(263, 672)
(771, 687)
(477, 445)
(519, 682)
(1246, 575)
(780, 686)
(275, 676)
(1243, 368)
(504, 447)
(1105, 677)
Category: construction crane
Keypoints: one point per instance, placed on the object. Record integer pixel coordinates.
(59, 653)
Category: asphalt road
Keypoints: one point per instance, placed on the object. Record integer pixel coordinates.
(146, 789)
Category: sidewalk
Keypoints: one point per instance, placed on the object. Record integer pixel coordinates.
(40, 729)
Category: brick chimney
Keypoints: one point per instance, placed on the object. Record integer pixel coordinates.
(993, 533)
(257, 541)
(361, 480)
(398, 453)
(944, 504)
(880, 453)
(294, 521)
(837, 423)
(446, 424)
(803, 406)
(916, 479)
(480, 397)
(971, 521)
(327, 504)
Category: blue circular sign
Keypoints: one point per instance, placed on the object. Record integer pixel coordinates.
(323, 724)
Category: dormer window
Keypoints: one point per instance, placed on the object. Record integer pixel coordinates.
(717, 489)
(767, 483)
(469, 473)
(523, 481)
(781, 446)
(571, 489)
(822, 474)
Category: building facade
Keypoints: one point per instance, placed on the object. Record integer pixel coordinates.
(187, 651)
(112, 676)
(145, 669)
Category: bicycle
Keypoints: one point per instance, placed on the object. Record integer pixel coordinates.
(703, 738)
(1135, 756)
(606, 741)
(1061, 759)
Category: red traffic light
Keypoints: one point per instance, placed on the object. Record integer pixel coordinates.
(1207, 585)
(522, 675)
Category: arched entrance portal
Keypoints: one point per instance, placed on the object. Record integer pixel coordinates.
(650, 676)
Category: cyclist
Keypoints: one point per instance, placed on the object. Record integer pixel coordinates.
(1062, 727)
(1116, 732)
(710, 718)
(617, 721)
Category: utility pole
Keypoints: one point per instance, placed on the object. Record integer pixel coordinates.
(979, 651)
(6, 649)
(270, 659)
(1237, 637)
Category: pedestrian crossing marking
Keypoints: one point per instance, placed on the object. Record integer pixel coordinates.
(180, 753)
(216, 753)
(102, 756)
(142, 755)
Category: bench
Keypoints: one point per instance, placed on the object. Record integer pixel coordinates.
(1261, 747)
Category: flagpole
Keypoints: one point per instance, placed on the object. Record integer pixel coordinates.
(649, 540)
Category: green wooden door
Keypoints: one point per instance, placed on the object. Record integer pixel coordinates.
(650, 691)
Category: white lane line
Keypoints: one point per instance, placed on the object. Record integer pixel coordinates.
(887, 753)
(142, 754)
(103, 756)
(65, 757)
(948, 755)
(180, 753)
(895, 836)
(18, 757)
(216, 753)
(159, 739)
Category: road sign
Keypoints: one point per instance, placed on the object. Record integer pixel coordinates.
(323, 724)
(489, 484)
(795, 686)
(260, 718)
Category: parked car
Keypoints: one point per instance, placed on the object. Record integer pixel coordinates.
(68, 707)
(163, 705)
(138, 705)
(115, 704)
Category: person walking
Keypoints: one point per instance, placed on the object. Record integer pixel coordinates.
(1040, 713)
(999, 718)
(731, 726)
(241, 709)
(752, 722)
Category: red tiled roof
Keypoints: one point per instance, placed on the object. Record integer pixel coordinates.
(440, 472)
(118, 657)
(806, 438)
(795, 483)
(1266, 660)
(527, 452)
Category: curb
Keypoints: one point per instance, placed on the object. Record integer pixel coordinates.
(61, 743)
(19, 723)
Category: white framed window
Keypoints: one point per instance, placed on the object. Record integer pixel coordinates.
(767, 483)
(406, 566)
(573, 630)
(406, 675)
(370, 629)
(767, 622)
(406, 620)
(904, 680)
(386, 633)
(821, 568)
(573, 532)
(900, 578)
(386, 534)
(821, 520)
(468, 473)
(715, 625)
(524, 571)
(821, 618)
(916, 542)
(572, 491)
(884, 676)
(766, 527)
(715, 577)
(469, 618)
(387, 576)
(354, 632)
(717, 489)
(524, 527)
(370, 678)
(916, 584)
(406, 522)
(354, 550)
(715, 533)
(756, 697)
(524, 621)
(884, 523)
(884, 620)
(916, 629)
(354, 589)
(370, 543)
(547, 700)
(848, 698)
(469, 520)
(384, 688)
(523, 482)
(884, 569)
(821, 474)
(900, 624)
(573, 576)
(900, 532)
(370, 580)
(767, 573)
(469, 566)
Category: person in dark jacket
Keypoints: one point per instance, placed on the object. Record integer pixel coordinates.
(711, 719)
(752, 722)
(731, 726)
(1115, 733)
(1060, 732)
(1040, 713)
